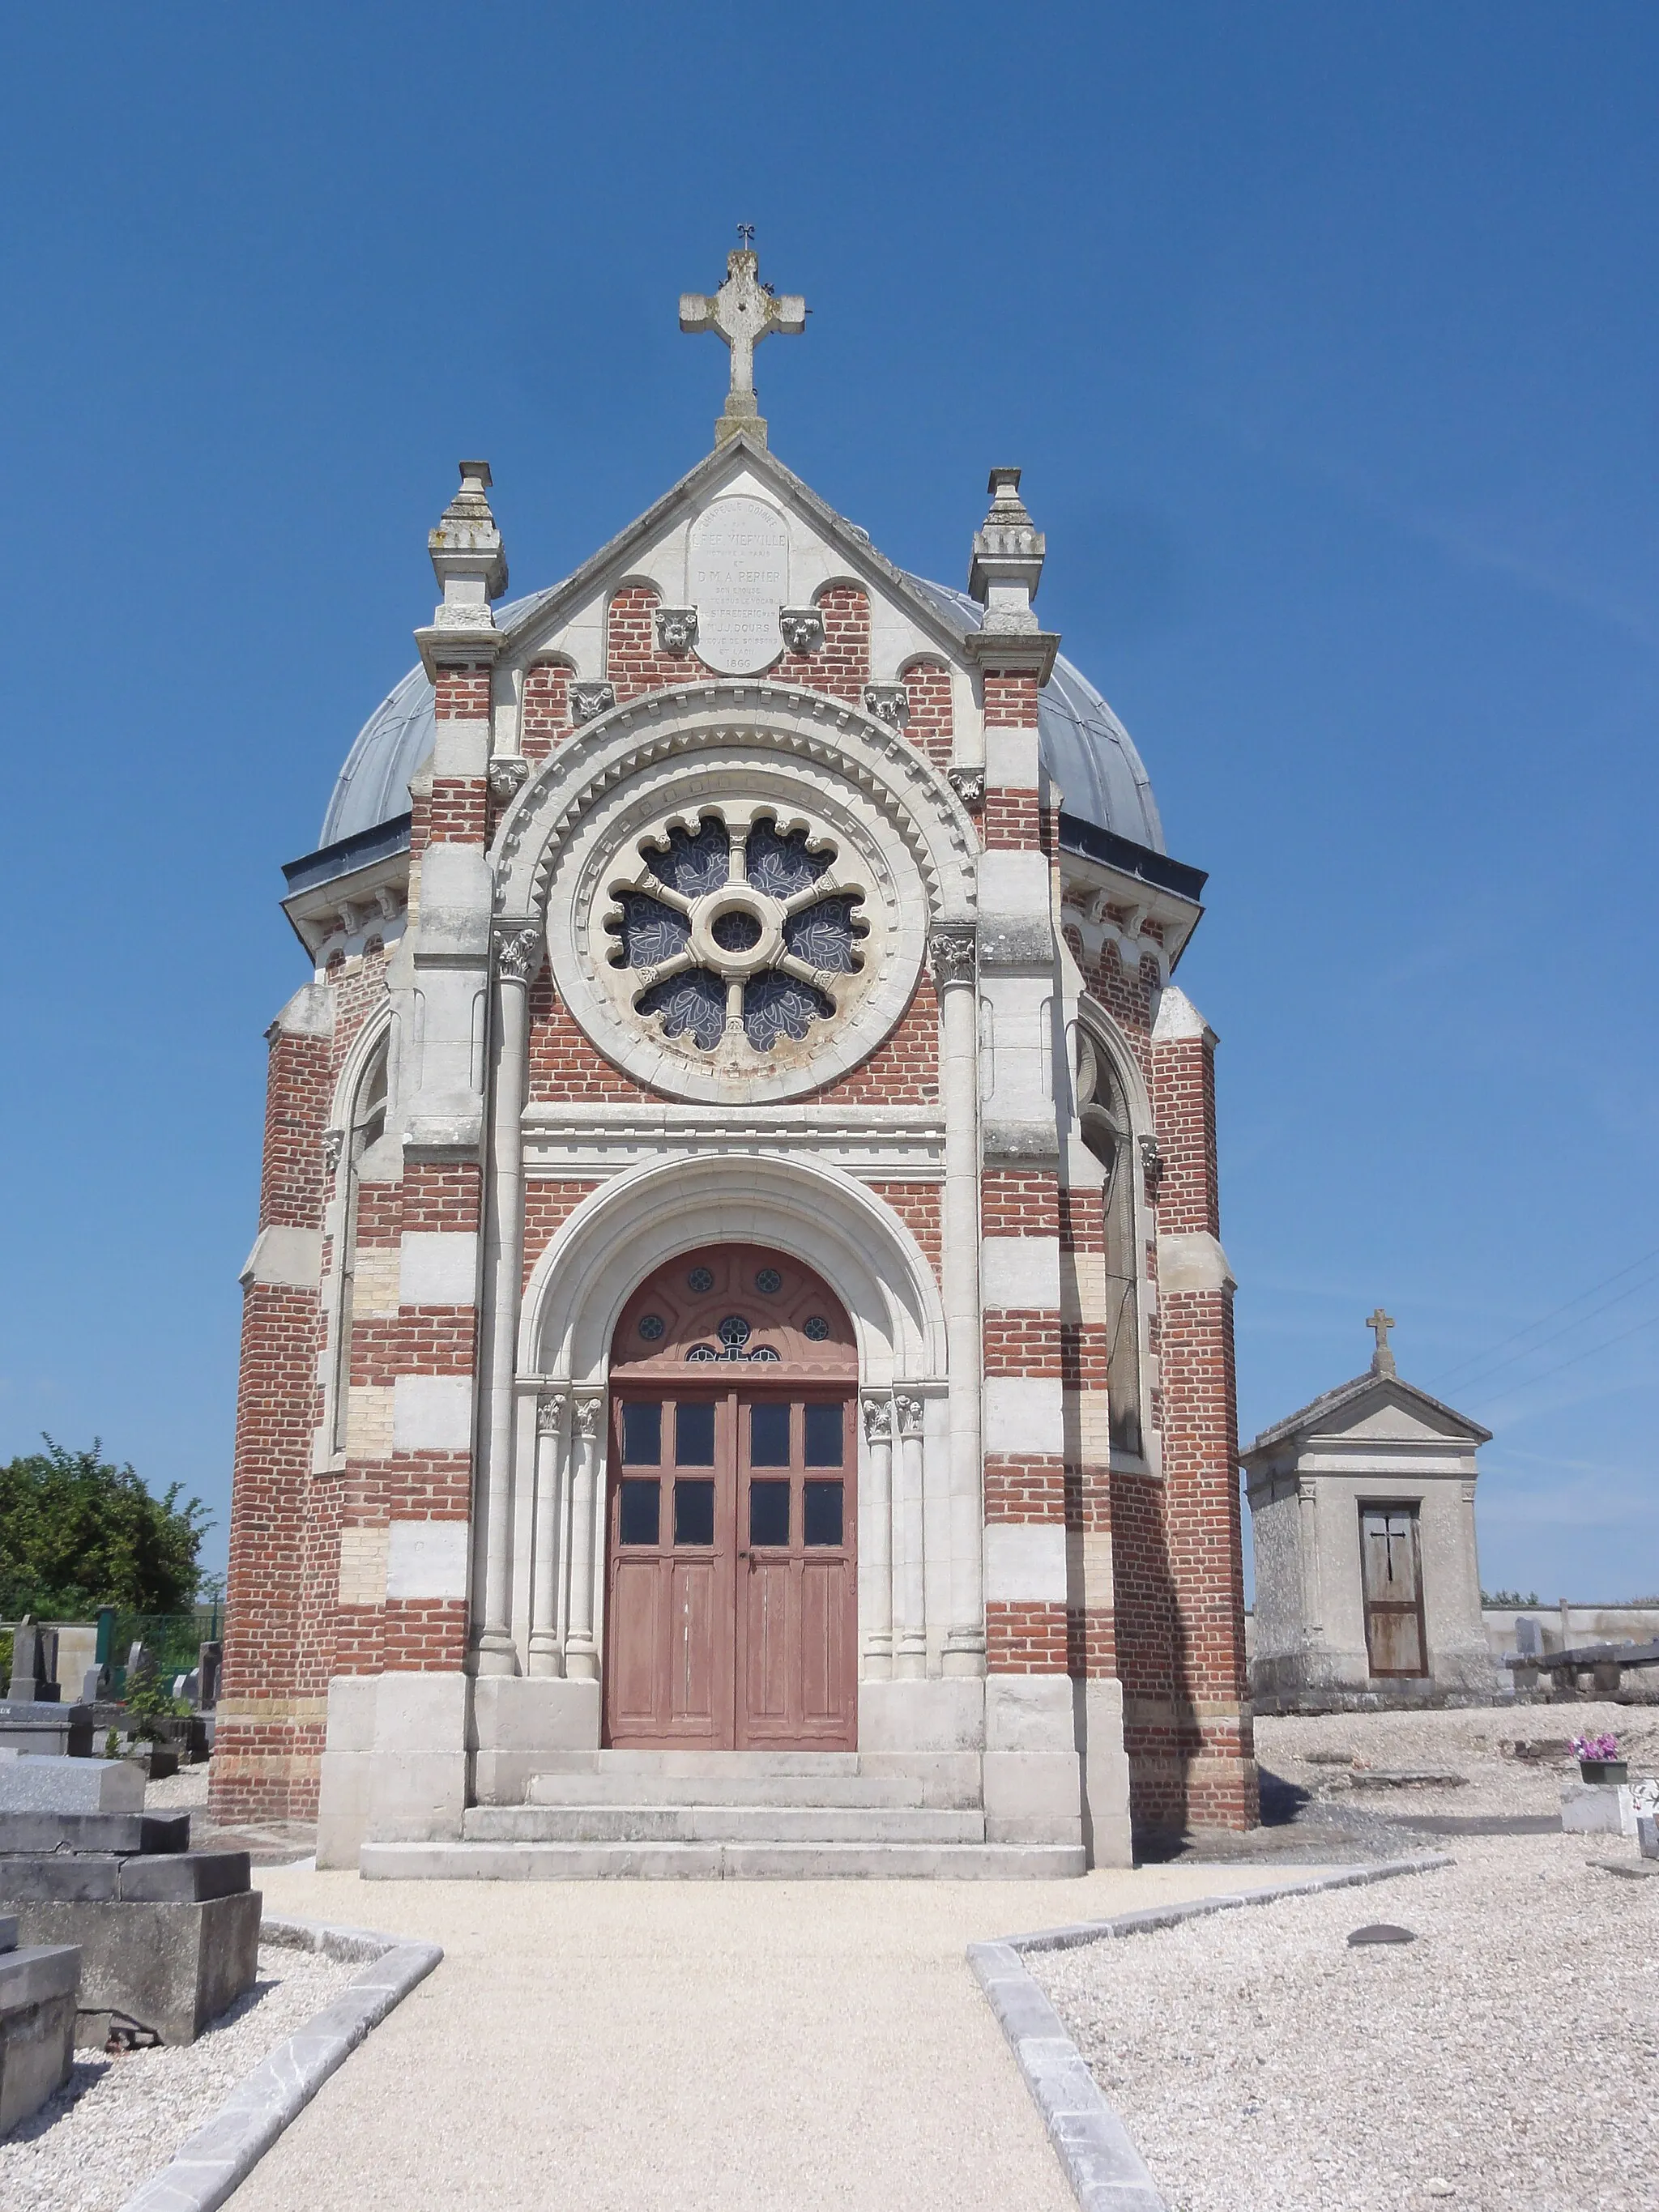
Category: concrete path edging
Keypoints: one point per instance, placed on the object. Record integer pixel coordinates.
(1106, 2171)
(220, 2155)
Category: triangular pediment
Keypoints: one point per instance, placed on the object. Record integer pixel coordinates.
(1375, 1408)
(823, 545)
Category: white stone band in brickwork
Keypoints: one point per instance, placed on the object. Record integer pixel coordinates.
(1026, 1562)
(1020, 1274)
(1024, 1415)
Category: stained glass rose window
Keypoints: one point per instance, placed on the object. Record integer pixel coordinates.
(736, 936)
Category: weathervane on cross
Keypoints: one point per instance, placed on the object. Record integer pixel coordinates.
(743, 312)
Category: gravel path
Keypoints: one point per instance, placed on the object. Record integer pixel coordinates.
(687, 2046)
(120, 2119)
(1507, 2060)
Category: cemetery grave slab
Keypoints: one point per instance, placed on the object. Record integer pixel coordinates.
(31, 1784)
(170, 1968)
(22, 1833)
(38, 1989)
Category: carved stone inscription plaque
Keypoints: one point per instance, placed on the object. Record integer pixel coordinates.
(740, 579)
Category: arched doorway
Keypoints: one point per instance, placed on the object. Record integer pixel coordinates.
(731, 1512)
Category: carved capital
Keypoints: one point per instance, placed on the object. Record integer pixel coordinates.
(333, 1146)
(952, 954)
(676, 629)
(1152, 1164)
(506, 773)
(968, 785)
(590, 1416)
(877, 1409)
(889, 704)
(802, 628)
(518, 951)
(549, 1411)
(909, 1412)
(587, 700)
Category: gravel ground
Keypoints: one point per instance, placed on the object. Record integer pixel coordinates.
(182, 1792)
(1507, 2060)
(119, 2119)
(1470, 1742)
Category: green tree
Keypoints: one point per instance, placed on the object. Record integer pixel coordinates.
(76, 1532)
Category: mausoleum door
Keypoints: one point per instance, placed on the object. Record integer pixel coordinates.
(731, 1583)
(1391, 1563)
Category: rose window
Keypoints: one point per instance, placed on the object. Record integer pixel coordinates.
(736, 935)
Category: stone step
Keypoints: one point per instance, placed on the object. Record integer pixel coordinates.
(721, 1824)
(697, 1765)
(491, 1862)
(607, 1788)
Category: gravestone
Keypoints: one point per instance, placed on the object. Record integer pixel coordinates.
(32, 1653)
(31, 1783)
(38, 1988)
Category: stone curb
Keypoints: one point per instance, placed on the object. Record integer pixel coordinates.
(221, 2154)
(1106, 2171)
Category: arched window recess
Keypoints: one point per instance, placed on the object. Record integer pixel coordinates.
(1106, 1125)
(365, 1125)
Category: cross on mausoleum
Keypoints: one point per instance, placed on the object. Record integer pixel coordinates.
(743, 312)
(1379, 1324)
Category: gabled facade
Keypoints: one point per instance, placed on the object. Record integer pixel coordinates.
(1367, 1576)
(739, 1259)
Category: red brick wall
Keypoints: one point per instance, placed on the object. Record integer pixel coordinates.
(928, 687)
(545, 708)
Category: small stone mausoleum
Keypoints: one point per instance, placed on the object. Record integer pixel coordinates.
(738, 1301)
(1367, 1581)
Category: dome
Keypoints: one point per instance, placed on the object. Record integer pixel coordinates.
(1086, 749)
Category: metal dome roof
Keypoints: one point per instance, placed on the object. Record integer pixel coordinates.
(1086, 749)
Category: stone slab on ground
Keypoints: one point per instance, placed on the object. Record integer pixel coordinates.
(29, 1784)
(1592, 1808)
(24, 1833)
(52, 1731)
(37, 1987)
(170, 1968)
(86, 1877)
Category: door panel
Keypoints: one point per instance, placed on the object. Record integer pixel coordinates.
(1391, 1567)
(732, 1614)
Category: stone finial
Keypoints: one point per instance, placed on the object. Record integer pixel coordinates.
(1379, 1324)
(466, 555)
(1007, 562)
(743, 312)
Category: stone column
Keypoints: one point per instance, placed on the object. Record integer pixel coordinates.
(518, 956)
(876, 1535)
(581, 1654)
(911, 1663)
(546, 1650)
(952, 954)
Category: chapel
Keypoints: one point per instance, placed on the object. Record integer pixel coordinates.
(736, 1366)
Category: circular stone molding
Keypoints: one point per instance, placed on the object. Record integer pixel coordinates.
(733, 923)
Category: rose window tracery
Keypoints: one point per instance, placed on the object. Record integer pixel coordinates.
(735, 931)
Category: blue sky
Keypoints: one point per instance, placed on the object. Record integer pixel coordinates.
(1326, 337)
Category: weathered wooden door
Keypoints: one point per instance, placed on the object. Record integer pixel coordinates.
(732, 1582)
(1392, 1567)
(797, 1669)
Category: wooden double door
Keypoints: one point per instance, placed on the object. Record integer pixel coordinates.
(732, 1586)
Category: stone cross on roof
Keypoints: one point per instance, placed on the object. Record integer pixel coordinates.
(1379, 1324)
(743, 312)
